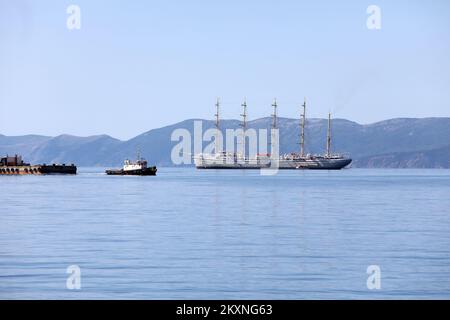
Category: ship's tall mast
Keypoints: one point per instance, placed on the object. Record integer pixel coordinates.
(244, 125)
(217, 124)
(302, 141)
(274, 115)
(274, 126)
(329, 135)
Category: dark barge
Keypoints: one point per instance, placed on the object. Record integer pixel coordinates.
(16, 166)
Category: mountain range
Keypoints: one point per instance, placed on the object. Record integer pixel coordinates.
(394, 143)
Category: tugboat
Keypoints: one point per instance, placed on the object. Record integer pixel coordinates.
(16, 166)
(133, 168)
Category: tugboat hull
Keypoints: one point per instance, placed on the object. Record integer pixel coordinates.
(138, 172)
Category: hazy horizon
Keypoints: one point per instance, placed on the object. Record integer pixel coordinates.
(136, 66)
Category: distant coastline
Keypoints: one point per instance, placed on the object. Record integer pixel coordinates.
(393, 143)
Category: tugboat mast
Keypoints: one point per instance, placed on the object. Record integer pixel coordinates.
(329, 135)
(302, 142)
(217, 124)
(244, 126)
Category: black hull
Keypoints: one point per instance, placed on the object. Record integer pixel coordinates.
(230, 168)
(314, 164)
(38, 169)
(141, 172)
(321, 164)
(58, 169)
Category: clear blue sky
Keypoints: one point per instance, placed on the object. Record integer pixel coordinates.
(138, 65)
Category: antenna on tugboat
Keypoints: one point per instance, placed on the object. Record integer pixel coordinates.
(302, 142)
(138, 153)
(329, 135)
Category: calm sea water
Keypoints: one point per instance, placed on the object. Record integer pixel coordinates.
(226, 234)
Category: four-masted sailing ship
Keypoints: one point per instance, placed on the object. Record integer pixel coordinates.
(239, 160)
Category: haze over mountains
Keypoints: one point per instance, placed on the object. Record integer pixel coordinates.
(394, 143)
